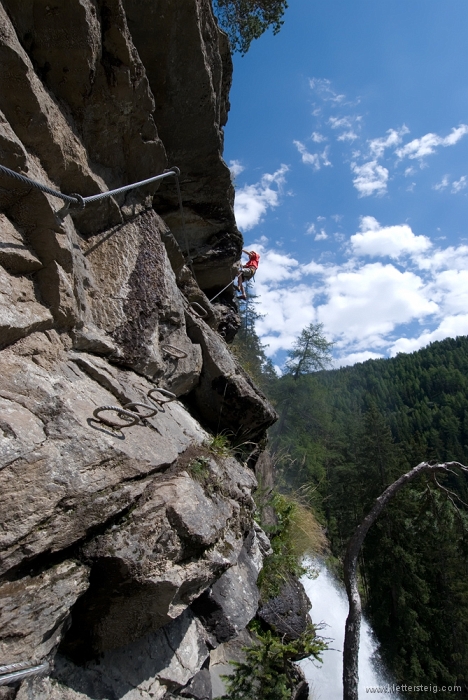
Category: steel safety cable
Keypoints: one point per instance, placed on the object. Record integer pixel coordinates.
(217, 295)
(80, 201)
(22, 178)
(23, 672)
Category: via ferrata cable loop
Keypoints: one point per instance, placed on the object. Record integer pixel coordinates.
(152, 411)
(198, 309)
(173, 351)
(165, 396)
(130, 416)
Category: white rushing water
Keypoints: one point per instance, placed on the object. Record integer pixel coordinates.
(330, 606)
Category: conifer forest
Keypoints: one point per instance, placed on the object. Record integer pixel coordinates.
(346, 434)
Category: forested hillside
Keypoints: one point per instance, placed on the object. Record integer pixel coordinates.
(343, 436)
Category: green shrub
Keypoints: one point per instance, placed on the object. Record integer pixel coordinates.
(296, 535)
(199, 469)
(268, 672)
(219, 445)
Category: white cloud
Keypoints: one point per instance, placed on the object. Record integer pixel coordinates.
(323, 87)
(318, 138)
(275, 267)
(456, 135)
(353, 357)
(371, 178)
(347, 136)
(394, 137)
(378, 241)
(310, 229)
(450, 327)
(252, 201)
(236, 167)
(450, 287)
(340, 122)
(308, 158)
(322, 236)
(443, 184)
(427, 145)
(368, 309)
(358, 306)
(458, 185)
(451, 258)
(324, 156)
(287, 311)
(316, 160)
(369, 301)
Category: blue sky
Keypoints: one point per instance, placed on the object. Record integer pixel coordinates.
(348, 139)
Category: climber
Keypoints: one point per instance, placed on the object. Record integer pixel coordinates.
(247, 271)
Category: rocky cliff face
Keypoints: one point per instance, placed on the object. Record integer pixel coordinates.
(127, 553)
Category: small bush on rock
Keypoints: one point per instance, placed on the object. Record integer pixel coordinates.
(268, 673)
(199, 469)
(296, 534)
(220, 445)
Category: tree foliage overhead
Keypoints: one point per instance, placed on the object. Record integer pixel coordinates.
(246, 20)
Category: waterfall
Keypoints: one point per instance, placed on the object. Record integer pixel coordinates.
(330, 606)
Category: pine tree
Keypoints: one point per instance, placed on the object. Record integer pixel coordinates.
(311, 352)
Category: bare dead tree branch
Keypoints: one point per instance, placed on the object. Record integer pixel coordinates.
(450, 493)
(353, 621)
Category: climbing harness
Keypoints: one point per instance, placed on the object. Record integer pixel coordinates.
(173, 351)
(77, 199)
(130, 416)
(15, 672)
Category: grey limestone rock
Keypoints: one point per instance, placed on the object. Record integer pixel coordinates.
(102, 521)
(15, 254)
(232, 601)
(287, 613)
(34, 611)
(225, 396)
(199, 687)
(149, 568)
(161, 661)
(189, 122)
(21, 312)
(74, 472)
